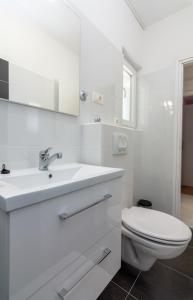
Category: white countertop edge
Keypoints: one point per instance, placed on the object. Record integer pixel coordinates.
(29, 198)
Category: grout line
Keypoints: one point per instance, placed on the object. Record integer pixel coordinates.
(134, 282)
(128, 292)
(178, 272)
(134, 298)
(119, 286)
(126, 296)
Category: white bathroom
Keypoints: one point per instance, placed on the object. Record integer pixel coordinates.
(91, 133)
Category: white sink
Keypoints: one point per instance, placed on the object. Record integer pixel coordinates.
(35, 178)
(26, 187)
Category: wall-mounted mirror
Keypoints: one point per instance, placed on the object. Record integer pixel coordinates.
(39, 54)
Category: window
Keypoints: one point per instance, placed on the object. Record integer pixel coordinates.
(129, 96)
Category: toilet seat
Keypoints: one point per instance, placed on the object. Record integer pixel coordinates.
(155, 226)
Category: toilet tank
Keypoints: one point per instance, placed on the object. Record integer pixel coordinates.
(110, 146)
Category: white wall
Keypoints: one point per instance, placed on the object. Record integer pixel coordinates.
(23, 43)
(101, 71)
(96, 148)
(24, 131)
(30, 88)
(164, 43)
(28, 46)
(115, 20)
(154, 140)
(168, 41)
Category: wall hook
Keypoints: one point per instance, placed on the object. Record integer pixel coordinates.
(83, 95)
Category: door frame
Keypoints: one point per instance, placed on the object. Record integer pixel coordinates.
(178, 135)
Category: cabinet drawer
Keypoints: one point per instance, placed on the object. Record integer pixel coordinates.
(85, 279)
(42, 244)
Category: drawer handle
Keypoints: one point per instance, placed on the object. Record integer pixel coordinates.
(81, 273)
(68, 215)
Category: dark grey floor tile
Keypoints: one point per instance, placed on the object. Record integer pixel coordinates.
(112, 292)
(126, 276)
(183, 263)
(131, 297)
(162, 283)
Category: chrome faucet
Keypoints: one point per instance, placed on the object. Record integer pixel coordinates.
(45, 159)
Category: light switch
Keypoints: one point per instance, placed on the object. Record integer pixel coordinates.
(98, 98)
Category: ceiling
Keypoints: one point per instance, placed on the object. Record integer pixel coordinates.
(149, 12)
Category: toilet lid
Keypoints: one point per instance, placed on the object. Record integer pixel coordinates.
(155, 225)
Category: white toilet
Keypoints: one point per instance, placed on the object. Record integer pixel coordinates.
(148, 235)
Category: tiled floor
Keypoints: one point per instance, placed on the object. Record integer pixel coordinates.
(187, 209)
(167, 280)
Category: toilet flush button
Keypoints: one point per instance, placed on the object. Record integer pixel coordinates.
(120, 144)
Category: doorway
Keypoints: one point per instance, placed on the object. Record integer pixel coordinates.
(187, 147)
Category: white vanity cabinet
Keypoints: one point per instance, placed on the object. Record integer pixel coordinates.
(68, 247)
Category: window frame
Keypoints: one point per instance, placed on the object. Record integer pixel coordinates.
(132, 72)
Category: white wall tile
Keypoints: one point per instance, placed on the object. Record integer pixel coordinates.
(154, 141)
(101, 71)
(25, 131)
(100, 153)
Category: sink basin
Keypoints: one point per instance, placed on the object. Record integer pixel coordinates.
(26, 187)
(37, 178)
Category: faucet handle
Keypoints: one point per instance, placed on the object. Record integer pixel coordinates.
(4, 170)
(44, 154)
(47, 150)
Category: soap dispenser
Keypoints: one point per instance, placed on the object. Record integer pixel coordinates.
(4, 170)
